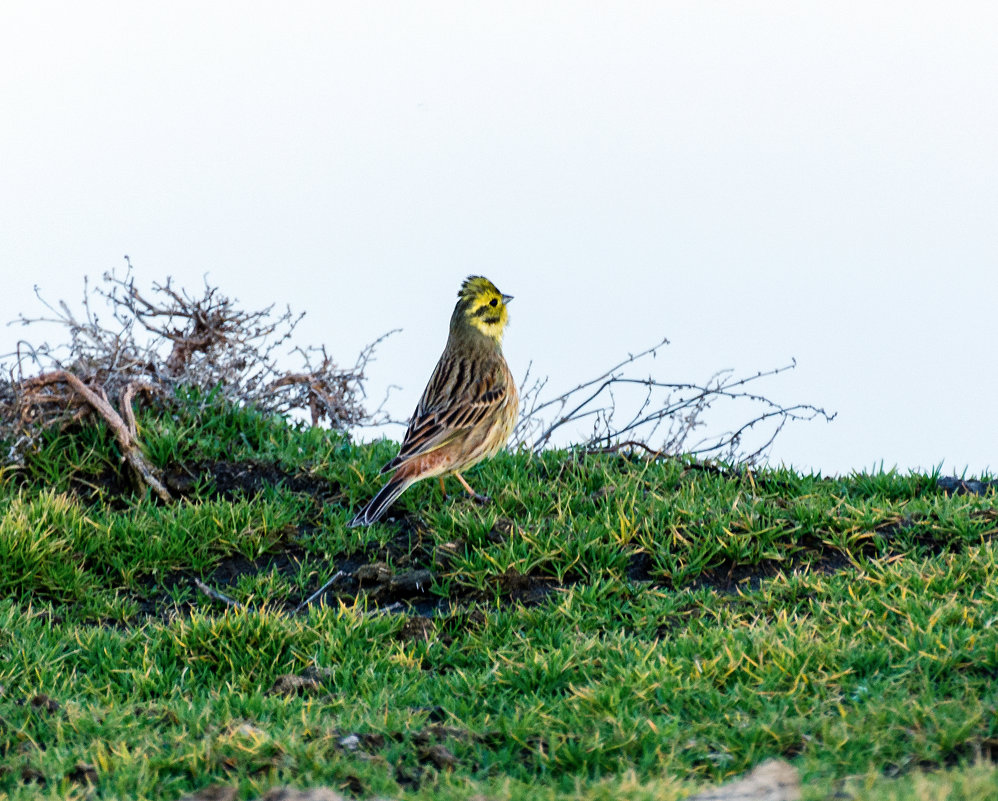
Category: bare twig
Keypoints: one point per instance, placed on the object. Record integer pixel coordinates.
(391, 609)
(319, 592)
(679, 408)
(531, 417)
(219, 596)
(631, 444)
(127, 412)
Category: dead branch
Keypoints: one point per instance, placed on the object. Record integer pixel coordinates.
(127, 412)
(532, 407)
(680, 409)
(97, 400)
(319, 592)
(630, 444)
(219, 596)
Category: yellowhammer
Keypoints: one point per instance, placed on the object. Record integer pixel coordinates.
(469, 406)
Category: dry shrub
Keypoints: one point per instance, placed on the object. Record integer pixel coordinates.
(152, 343)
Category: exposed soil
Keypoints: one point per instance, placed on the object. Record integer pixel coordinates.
(218, 479)
(230, 479)
(960, 486)
(400, 576)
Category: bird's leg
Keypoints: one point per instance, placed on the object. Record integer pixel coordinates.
(443, 490)
(478, 498)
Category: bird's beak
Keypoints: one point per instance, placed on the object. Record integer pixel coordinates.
(507, 298)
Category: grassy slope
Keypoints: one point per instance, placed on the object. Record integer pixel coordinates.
(679, 627)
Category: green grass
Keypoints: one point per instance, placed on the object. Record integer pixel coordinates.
(606, 628)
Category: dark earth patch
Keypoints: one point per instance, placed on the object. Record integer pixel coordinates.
(285, 562)
(400, 575)
(960, 486)
(228, 479)
(205, 479)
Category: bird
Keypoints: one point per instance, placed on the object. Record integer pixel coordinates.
(469, 407)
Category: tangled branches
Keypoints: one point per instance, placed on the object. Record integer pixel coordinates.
(154, 343)
(673, 411)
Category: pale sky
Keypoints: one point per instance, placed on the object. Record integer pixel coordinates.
(756, 181)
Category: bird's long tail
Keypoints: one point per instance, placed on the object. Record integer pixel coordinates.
(379, 504)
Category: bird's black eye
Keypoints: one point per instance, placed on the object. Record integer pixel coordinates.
(494, 302)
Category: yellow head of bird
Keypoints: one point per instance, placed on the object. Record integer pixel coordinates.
(481, 305)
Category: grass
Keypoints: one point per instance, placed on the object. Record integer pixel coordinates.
(606, 628)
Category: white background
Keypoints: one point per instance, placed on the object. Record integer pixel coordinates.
(755, 181)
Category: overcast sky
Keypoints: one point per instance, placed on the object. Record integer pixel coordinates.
(756, 181)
